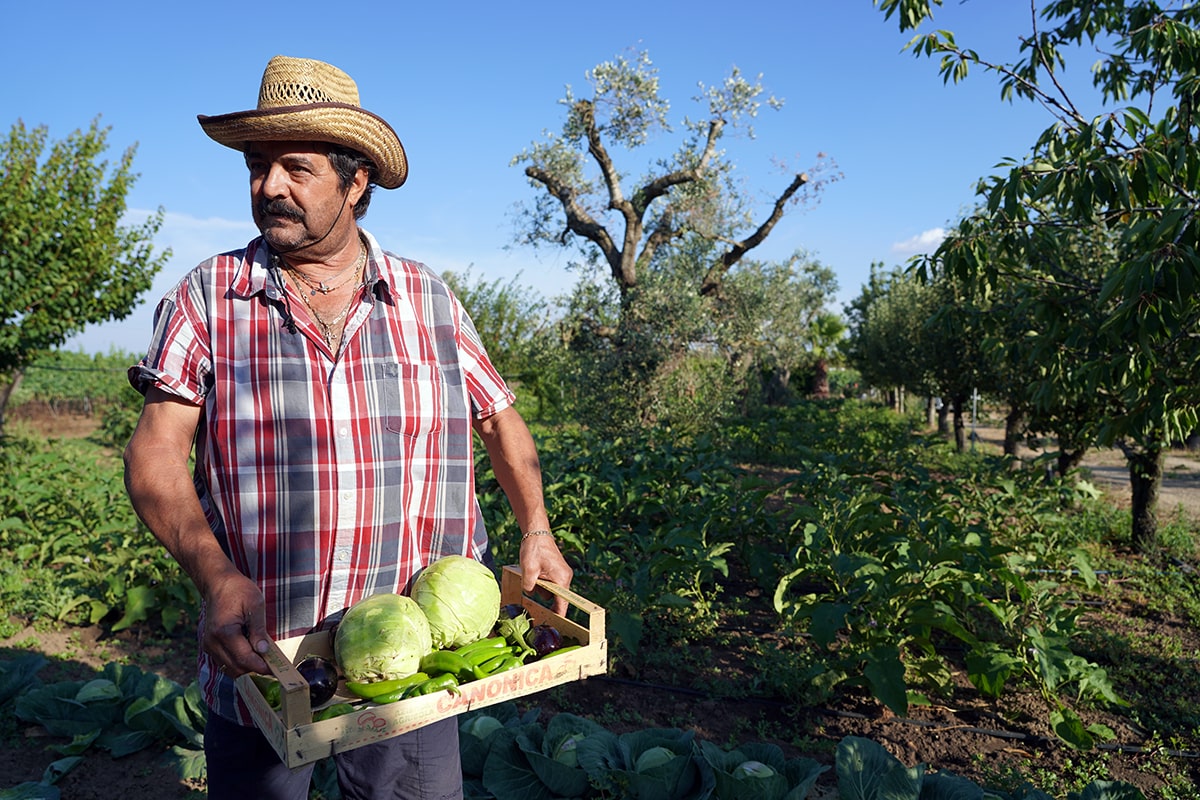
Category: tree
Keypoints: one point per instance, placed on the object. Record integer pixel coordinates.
(648, 337)
(771, 320)
(1132, 172)
(689, 194)
(66, 261)
(886, 332)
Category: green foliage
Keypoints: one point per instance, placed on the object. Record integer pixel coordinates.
(514, 324)
(65, 258)
(76, 381)
(652, 521)
(1119, 177)
(78, 552)
(671, 280)
(121, 710)
(523, 761)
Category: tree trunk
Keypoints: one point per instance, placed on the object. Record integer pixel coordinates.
(6, 394)
(1014, 422)
(931, 412)
(775, 386)
(820, 383)
(1145, 479)
(1069, 460)
(960, 427)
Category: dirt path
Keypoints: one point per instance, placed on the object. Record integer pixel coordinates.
(1109, 471)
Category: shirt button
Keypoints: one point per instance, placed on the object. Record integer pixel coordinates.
(343, 431)
(342, 555)
(347, 495)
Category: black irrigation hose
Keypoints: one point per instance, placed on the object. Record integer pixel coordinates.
(918, 723)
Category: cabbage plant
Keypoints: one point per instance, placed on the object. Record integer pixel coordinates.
(759, 771)
(655, 764)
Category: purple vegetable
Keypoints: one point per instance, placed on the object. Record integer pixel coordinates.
(544, 639)
(322, 677)
(511, 610)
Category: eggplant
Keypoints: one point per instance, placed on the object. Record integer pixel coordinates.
(322, 677)
(511, 611)
(544, 639)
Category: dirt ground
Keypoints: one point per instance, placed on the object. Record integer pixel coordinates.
(963, 734)
(1109, 472)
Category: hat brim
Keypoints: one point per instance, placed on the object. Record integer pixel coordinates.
(338, 123)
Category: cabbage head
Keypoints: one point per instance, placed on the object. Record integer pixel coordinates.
(380, 638)
(460, 598)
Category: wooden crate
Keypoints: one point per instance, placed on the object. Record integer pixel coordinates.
(299, 740)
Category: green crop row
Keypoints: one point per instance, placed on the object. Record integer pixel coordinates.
(885, 562)
(505, 755)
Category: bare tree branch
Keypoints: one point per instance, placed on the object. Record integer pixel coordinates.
(712, 279)
(579, 221)
(662, 184)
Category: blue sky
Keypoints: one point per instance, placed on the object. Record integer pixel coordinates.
(469, 85)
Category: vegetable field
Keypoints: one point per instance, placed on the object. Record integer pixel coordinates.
(820, 591)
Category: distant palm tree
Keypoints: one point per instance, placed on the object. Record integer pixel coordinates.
(826, 330)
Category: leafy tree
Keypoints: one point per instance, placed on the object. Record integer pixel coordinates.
(885, 337)
(825, 333)
(514, 324)
(1132, 172)
(66, 261)
(771, 318)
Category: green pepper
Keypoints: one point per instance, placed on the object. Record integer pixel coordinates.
(566, 649)
(405, 684)
(269, 686)
(374, 689)
(447, 662)
(335, 710)
(436, 684)
(505, 663)
(481, 649)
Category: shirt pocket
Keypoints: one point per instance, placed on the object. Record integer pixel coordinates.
(413, 398)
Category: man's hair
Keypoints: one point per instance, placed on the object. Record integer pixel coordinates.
(346, 163)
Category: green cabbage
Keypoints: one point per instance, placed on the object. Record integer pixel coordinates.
(652, 758)
(380, 638)
(460, 598)
(752, 770)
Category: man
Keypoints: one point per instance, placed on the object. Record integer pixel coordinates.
(330, 389)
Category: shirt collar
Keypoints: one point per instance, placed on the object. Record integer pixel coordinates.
(254, 274)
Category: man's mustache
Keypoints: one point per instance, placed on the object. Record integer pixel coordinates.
(280, 208)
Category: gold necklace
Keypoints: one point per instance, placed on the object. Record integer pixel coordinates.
(315, 286)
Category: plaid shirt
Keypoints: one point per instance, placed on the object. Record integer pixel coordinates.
(326, 479)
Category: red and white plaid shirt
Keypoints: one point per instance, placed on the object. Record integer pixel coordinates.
(326, 479)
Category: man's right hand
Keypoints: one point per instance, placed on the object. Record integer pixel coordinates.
(235, 630)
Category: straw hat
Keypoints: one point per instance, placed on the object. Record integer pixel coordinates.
(305, 100)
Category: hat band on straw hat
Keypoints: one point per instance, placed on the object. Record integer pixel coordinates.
(306, 100)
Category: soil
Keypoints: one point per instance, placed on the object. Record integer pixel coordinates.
(961, 733)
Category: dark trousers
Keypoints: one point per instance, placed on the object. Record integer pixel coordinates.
(419, 765)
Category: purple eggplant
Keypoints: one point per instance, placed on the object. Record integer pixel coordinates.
(322, 677)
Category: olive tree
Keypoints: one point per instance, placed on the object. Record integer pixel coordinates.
(66, 259)
(658, 242)
(585, 197)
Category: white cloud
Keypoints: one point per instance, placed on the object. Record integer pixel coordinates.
(921, 243)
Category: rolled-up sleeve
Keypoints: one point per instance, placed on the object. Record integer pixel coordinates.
(178, 359)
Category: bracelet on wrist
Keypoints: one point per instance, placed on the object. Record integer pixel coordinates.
(535, 533)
